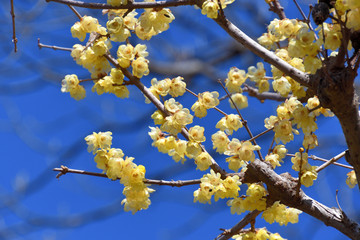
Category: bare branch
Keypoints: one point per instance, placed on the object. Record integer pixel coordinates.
(75, 11)
(180, 183)
(228, 233)
(40, 45)
(12, 12)
(253, 92)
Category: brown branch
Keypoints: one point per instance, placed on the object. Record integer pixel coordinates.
(75, 11)
(40, 45)
(331, 161)
(260, 134)
(12, 12)
(283, 188)
(313, 157)
(228, 233)
(179, 183)
(253, 92)
(129, 5)
(276, 7)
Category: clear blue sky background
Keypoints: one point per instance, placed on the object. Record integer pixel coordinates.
(42, 128)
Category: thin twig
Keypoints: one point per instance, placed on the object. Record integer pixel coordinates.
(242, 119)
(331, 161)
(40, 45)
(12, 12)
(129, 5)
(228, 233)
(75, 11)
(253, 92)
(313, 157)
(337, 200)
(180, 183)
(260, 134)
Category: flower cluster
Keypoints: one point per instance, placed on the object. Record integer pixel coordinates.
(255, 199)
(112, 84)
(134, 57)
(206, 100)
(152, 22)
(229, 123)
(92, 57)
(87, 24)
(175, 87)
(176, 148)
(257, 75)
(212, 185)
(240, 152)
(281, 214)
(132, 176)
(71, 84)
(258, 234)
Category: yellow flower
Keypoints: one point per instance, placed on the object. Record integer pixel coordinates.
(229, 123)
(308, 177)
(78, 32)
(220, 141)
(351, 179)
(98, 140)
(71, 84)
(210, 8)
(196, 134)
(235, 79)
(140, 67)
(240, 101)
(203, 161)
(116, 3)
(177, 87)
(199, 109)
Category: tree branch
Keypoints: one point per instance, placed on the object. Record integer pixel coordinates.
(130, 5)
(262, 52)
(283, 188)
(12, 12)
(179, 183)
(228, 233)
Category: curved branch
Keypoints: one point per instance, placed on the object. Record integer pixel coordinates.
(228, 233)
(130, 5)
(262, 52)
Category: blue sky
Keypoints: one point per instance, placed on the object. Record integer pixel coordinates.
(42, 128)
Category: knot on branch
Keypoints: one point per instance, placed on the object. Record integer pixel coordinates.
(63, 171)
(335, 87)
